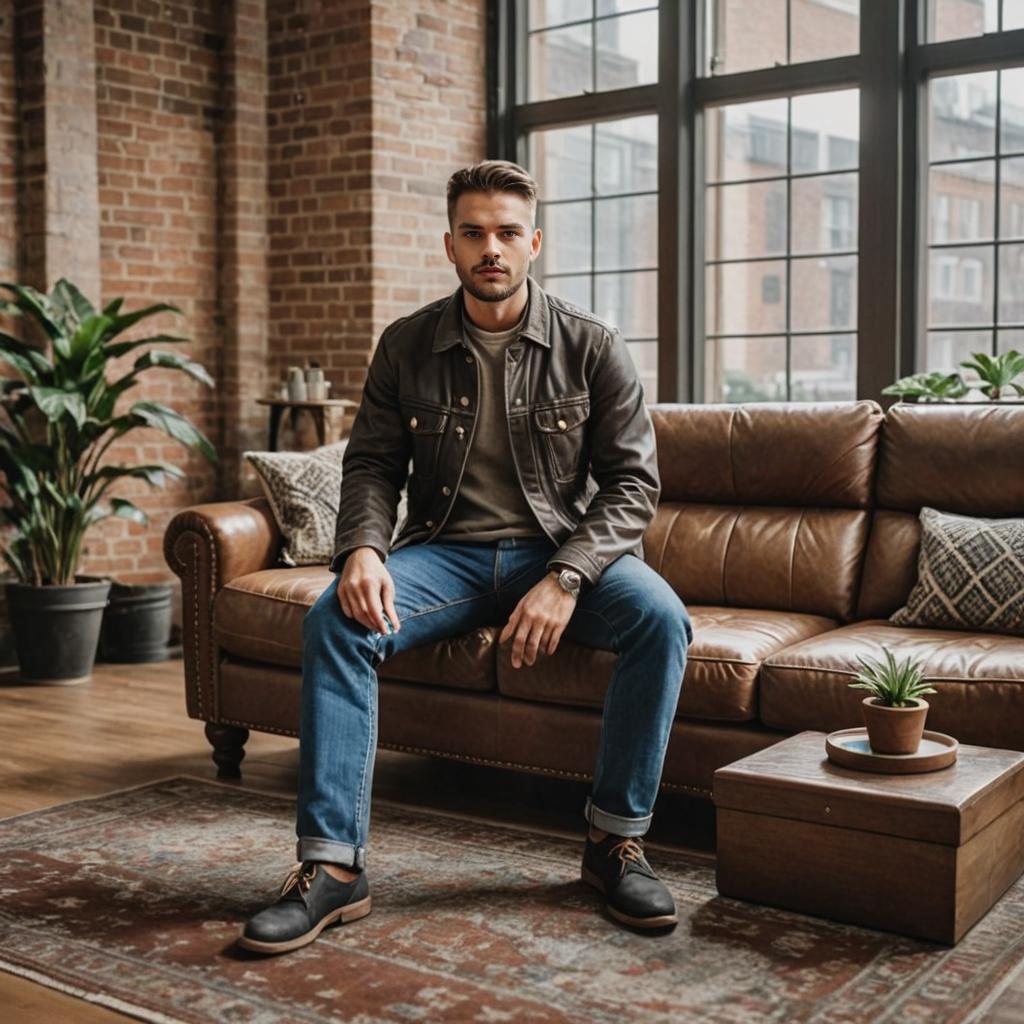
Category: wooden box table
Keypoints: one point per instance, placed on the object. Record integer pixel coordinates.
(922, 855)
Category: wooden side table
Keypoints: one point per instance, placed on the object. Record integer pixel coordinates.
(922, 855)
(318, 409)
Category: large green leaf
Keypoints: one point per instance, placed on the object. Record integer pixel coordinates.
(124, 509)
(171, 361)
(152, 414)
(70, 304)
(39, 362)
(123, 321)
(37, 305)
(113, 307)
(153, 474)
(21, 364)
(88, 337)
(56, 402)
(116, 349)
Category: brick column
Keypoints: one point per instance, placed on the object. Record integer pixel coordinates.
(55, 42)
(243, 243)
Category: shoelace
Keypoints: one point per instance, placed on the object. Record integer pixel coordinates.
(301, 876)
(629, 851)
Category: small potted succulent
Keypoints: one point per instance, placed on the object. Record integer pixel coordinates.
(895, 712)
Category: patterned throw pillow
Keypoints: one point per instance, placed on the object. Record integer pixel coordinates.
(970, 575)
(303, 489)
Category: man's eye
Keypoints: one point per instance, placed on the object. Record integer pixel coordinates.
(511, 234)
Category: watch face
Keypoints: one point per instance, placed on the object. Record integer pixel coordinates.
(570, 578)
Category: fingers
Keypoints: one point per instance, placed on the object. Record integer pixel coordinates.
(527, 641)
(366, 598)
(388, 595)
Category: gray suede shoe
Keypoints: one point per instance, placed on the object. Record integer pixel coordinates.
(635, 895)
(310, 900)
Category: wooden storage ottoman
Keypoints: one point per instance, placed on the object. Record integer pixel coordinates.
(922, 855)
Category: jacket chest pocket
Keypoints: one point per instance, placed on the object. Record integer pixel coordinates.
(563, 432)
(426, 428)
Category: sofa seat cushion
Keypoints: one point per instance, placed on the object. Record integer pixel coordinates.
(720, 684)
(979, 678)
(259, 617)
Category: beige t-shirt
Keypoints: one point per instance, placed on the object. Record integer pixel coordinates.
(490, 503)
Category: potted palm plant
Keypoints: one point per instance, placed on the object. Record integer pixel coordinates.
(62, 412)
(997, 376)
(895, 712)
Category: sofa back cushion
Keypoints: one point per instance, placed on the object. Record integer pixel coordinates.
(957, 458)
(765, 505)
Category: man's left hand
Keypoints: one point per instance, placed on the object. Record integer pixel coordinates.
(538, 621)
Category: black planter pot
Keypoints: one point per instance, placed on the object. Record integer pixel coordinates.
(56, 629)
(137, 623)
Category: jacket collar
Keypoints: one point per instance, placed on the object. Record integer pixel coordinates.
(449, 326)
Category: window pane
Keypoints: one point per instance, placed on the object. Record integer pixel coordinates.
(623, 6)
(746, 140)
(627, 233)
(1011, 284)
(1011, 199)
(629, 302)
(962, 119)
(960, 285)
(824, 293)
(747, 34)
(962, 202)
(1010, 340)
(560, 62)
(1011, 138)
(560, 159)
(573, 289)
(545, 13)
(819, 30)
(823, 368)
(956, 19)
(745, 220)
(824, 213)
(566, 247)
(1013, 14)
(645, 359)
(627, 155)
(945, 350)
(826, 131)
(745, 297)
(627, 51)
(745, 369)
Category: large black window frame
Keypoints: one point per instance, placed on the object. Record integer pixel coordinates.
(891, 72)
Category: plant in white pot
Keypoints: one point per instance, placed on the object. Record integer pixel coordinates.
(61, 414)
(895, 712)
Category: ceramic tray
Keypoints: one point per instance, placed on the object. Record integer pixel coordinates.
(850, 748)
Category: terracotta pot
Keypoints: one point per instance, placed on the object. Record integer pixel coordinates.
(894, 730)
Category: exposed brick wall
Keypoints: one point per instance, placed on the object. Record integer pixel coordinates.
(158, 109)
(8, 146)
(318, 165)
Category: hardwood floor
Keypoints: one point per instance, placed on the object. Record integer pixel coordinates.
(128, 726)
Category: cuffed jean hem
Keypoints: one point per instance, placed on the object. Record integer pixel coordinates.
(315, 848)
(614, 823)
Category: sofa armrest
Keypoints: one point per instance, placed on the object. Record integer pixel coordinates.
(207, 546)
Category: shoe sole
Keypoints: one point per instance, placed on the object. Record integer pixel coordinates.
(663, 921)
(343, 915)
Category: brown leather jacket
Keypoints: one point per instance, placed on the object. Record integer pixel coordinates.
(582, 438)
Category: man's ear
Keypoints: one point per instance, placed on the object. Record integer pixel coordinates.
(448, 247)
(535, 243)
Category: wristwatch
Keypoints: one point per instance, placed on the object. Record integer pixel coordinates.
(569, 580)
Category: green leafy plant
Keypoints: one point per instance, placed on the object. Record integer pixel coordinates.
(61, 417)
(929, 386)
(997, 373)
(894, 684)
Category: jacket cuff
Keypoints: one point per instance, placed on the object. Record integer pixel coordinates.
(338, 559)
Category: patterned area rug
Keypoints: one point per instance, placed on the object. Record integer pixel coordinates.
(133, 900)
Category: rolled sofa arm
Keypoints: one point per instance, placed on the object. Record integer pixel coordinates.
(207, 546)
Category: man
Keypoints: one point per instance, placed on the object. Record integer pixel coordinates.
(534, 479)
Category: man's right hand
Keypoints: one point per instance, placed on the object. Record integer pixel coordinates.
(366, 591)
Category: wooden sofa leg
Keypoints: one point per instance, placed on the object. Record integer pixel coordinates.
(228, 742)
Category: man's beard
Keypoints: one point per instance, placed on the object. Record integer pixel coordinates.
(474, 289)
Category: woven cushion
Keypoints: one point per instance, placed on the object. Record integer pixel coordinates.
(303, 489)
(970, 575)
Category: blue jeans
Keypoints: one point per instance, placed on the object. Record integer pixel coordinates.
(447, 589)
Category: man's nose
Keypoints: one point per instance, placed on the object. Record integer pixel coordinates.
(491, 249)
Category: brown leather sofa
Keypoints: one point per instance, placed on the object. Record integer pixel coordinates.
(790, 531)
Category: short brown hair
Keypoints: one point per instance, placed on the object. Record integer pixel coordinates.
(491, 176)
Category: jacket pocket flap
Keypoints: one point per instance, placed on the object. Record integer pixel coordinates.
(561, 418)
(426, 421)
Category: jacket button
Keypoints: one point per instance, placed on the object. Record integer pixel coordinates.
(460, 431)
(463, 400)
(562, 424)
(469, 359)
(429, 523)
(518, 401)
(446, 491)
(412, 423)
